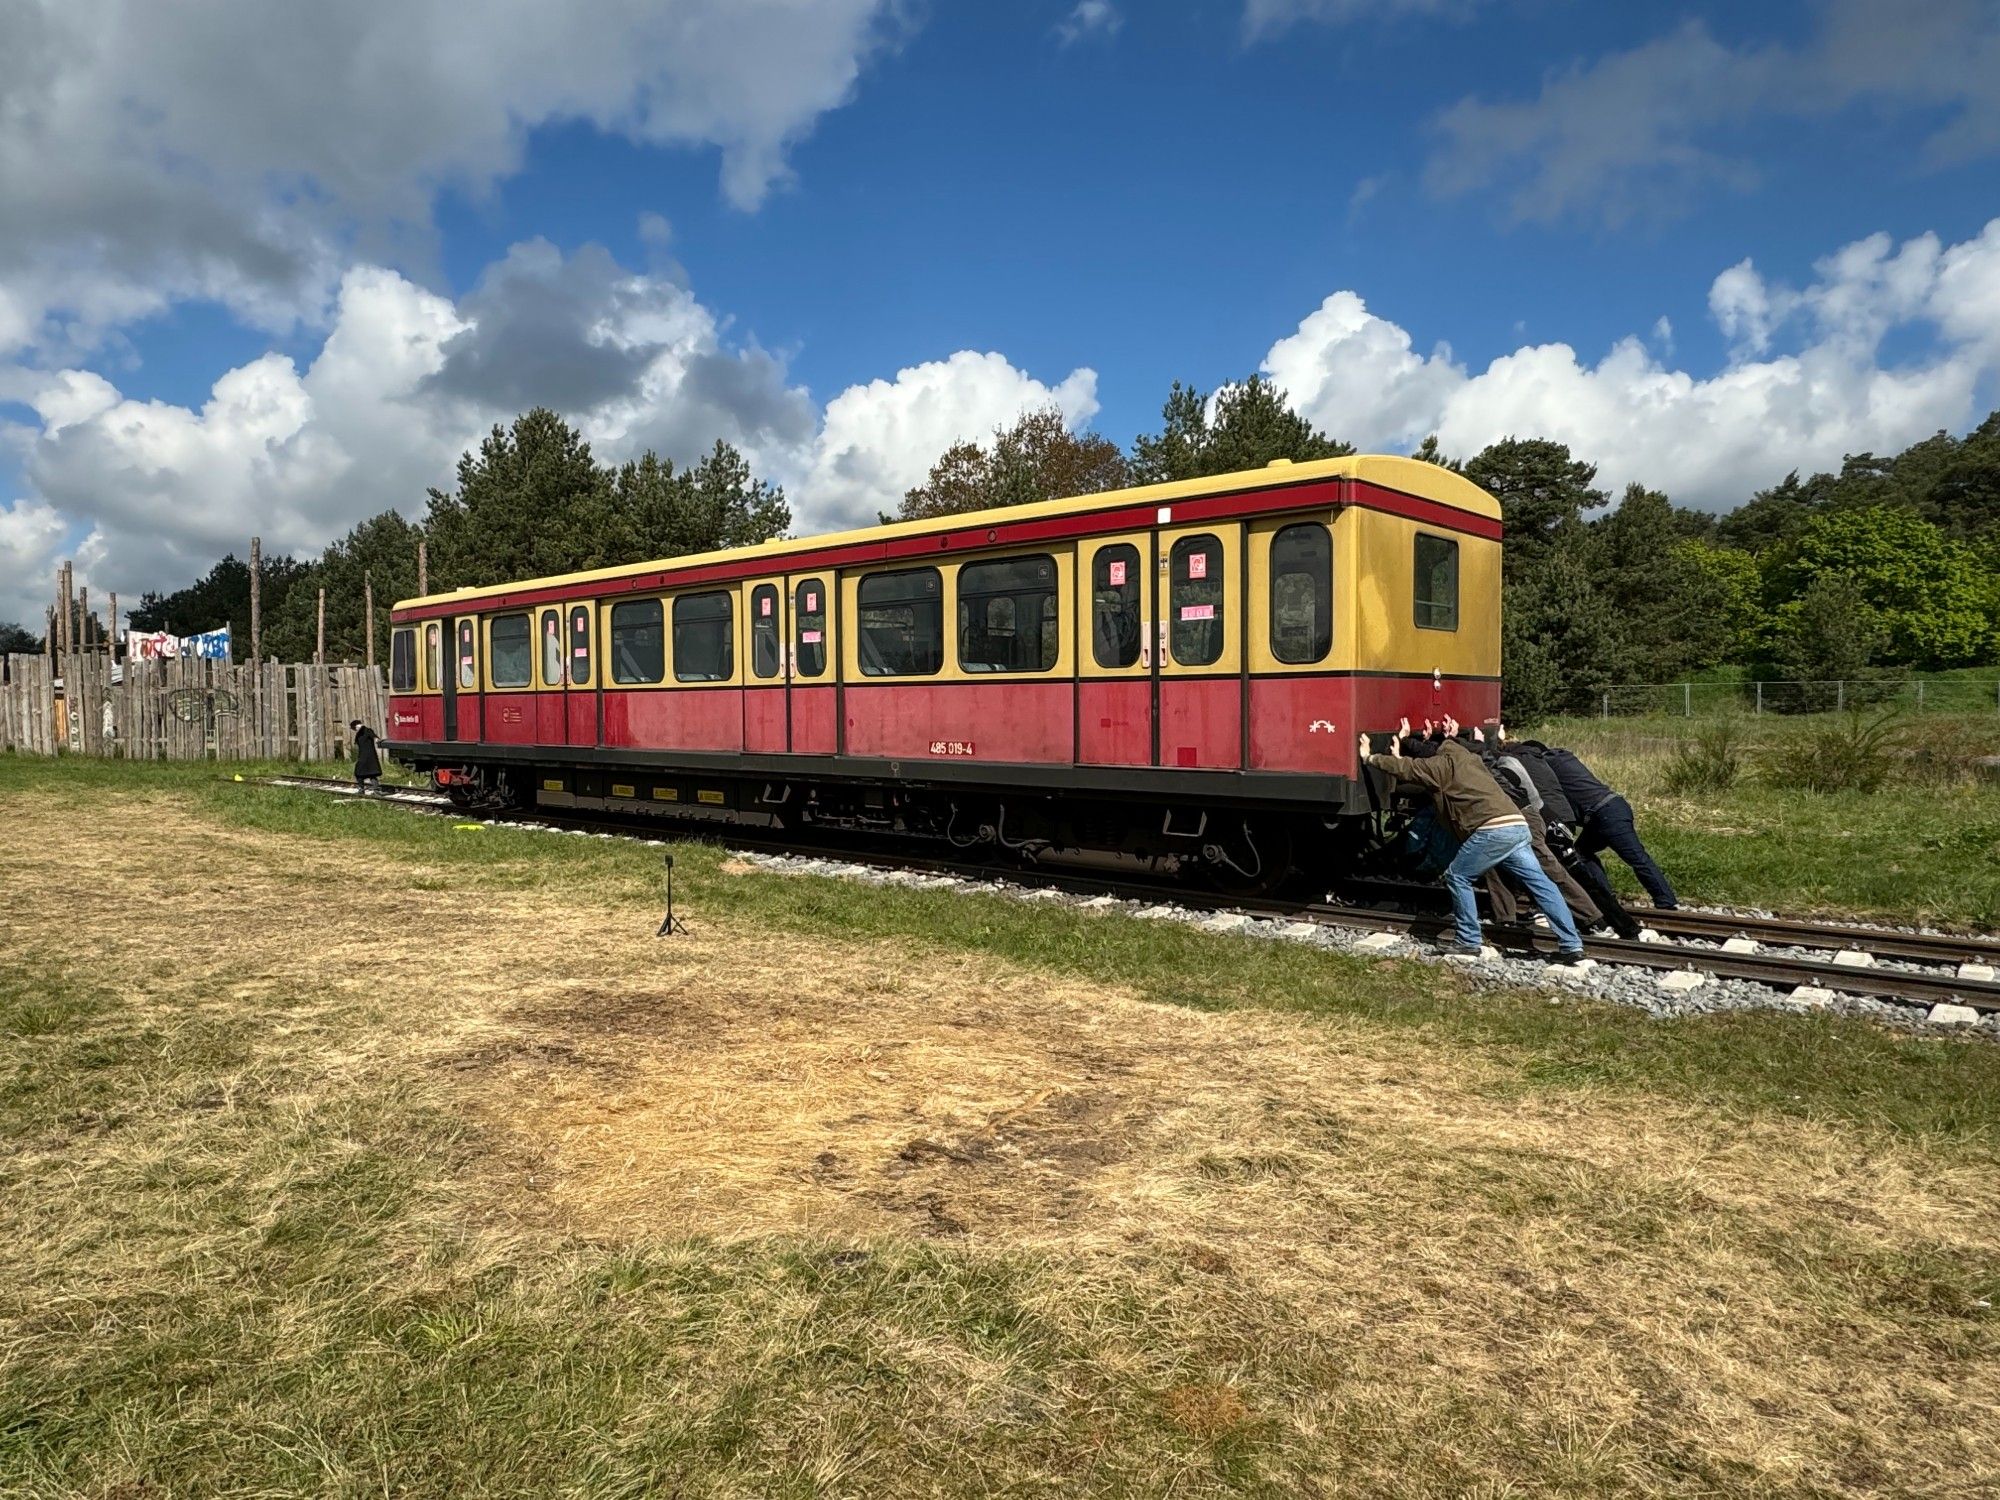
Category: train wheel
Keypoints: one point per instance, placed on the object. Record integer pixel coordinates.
(1255, 858)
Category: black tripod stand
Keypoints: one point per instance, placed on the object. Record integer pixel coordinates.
(671, 924)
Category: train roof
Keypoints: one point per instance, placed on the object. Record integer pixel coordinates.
(1408, 476)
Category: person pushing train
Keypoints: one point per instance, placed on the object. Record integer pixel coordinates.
(1602, 818)
(1491, 830)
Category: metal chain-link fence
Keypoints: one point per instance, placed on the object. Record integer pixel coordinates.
(1947, 695)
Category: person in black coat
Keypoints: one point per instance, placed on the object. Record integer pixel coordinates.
(367, 762)
(1603, 819)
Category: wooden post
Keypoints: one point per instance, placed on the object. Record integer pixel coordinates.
(368, 608)
(319, 650)
(256, 600)
(111, 641)
(83, 616)
(257, 710)
(66, 602)
(423, 568)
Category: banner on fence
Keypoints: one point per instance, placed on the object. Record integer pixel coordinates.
(153, 645)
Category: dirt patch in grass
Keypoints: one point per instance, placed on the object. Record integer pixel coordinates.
(1286, 1230)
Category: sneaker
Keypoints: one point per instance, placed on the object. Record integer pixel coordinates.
(1453, 948)
(1566, 957)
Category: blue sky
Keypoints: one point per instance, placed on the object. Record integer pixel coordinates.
(268, 271)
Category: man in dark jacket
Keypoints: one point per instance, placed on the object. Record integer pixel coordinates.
(1491, 832)
(367, 763)
(1559, 817)
(1604, 821)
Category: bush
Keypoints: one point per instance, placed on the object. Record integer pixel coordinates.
(1710, 762)
(1853, 754)
(1945, 765)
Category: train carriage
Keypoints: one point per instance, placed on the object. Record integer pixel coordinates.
(1173, 670)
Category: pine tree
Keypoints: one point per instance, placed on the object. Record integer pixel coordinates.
(1250, 425)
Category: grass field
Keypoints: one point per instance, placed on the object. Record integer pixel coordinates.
(1917, 850)
(347, 1152)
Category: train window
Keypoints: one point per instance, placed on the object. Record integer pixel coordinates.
(638, 641)
(403, 662)
(901, 632)
(765, 652)
(704, 638)
(809, 625)
(1195, 575)
(433, 658)
(1437, 582)
(511, 644)
(579, 645)
(1008, 617)
(1302, 593)
(468, 656)
(1114, 606)
(552, 649)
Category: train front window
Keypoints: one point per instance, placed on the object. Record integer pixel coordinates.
(403, 662)
(552, 649)
(1114, 606)
(1302, 594)
(1436, 582)
(638, 641)
(468, 656)
(1007, 615)
(765, 652)
(901, 631)
(579, 646)
(1195, 586)
(513, 651)
(809, 625)
(704, 638)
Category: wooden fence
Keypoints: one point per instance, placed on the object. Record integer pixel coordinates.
(184, 708)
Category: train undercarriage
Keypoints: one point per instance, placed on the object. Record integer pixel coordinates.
(1240, 847)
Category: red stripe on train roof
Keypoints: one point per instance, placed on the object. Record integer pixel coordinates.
(1315, 495)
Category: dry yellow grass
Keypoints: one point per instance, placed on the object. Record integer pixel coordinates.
(1429, 1256)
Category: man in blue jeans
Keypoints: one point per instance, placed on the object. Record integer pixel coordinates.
(1491, 832)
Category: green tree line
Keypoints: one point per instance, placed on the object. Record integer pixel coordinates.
(1892, 564)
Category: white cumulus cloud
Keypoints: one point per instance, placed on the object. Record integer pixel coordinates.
(1709, 441)
(237, 152)
(881, 438)
(147, 494)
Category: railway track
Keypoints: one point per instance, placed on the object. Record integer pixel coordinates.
(1945, 981)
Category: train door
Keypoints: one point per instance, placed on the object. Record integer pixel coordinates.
(812, 710)
(551, 678)
(447, 678)
(461, 702)
(1116, 661)
(1198, 643)
(765, 694)
(580, 685)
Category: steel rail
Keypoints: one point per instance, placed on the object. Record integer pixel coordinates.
(1923, 947)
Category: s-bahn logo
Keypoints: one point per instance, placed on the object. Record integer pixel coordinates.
(399, 720)
(951, 747)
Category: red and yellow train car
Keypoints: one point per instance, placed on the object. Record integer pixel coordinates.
(1174, 669)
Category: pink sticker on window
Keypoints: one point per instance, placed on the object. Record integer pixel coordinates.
(1197, 611)
(1197, 565)
(809, 637)
(812, 601)
(764, 605)
(581, 652)
(1117, 575)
